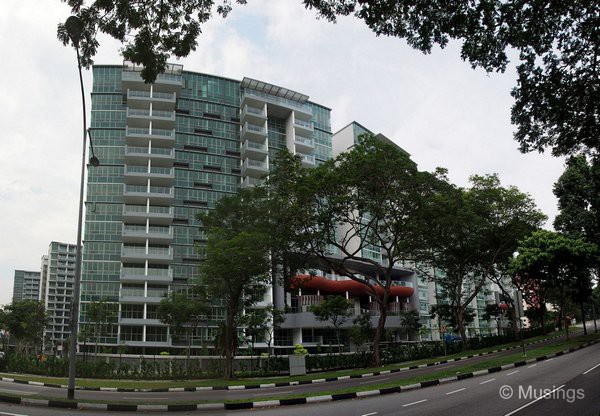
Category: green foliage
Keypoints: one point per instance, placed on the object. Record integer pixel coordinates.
(556, 97)
(552, 267)
(183, 312)
(151, 30)
(377, 194)
(335, 309)
(100, 315)
(578, 193)
(260, 324)
(362, 331)
(473, 234)
(25, 321)
(410, 320)
(300, 350)
(447, 314)
(237, 264)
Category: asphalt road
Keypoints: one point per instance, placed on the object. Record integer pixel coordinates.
(571, 383)
(150, 397)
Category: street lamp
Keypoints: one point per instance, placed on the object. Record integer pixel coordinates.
(74, 28)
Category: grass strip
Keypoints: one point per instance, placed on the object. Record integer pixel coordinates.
(151, 384)
(494, 362)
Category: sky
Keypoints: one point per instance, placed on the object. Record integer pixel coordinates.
(434, 106)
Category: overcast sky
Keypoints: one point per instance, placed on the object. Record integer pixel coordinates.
(434, 106)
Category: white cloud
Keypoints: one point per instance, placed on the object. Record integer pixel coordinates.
(434, 106)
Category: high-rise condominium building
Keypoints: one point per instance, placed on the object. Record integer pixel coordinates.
(58, 272)
(168, 151)
(26, 285)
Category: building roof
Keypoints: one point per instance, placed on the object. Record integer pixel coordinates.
(274, 90)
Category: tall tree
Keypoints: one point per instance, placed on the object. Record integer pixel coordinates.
(557, 266)
(473, 234)
(100, 314)
(261, 324)
(367, 200)
(557, 94)
(236, 268)
(578, 193)
(25, 321)
(183, 312)
(335, 310)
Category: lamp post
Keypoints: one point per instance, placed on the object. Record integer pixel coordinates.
(74, 28)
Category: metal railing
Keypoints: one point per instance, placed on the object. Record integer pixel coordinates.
(305, 141)
(137, 131)
(149, 151)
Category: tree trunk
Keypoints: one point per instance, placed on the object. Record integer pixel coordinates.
(583, 318)
(229, 342)
(543, 319)
(189, 352)
(460, 321)
(378, 336)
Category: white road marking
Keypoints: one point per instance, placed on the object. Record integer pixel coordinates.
(374, 381)
(596, 366)
(532, 402)
(11, 414)
(410, 404)
(514, 372)
(369, 414)
(455, 391)
(532, 365)
(550, 359)
(487, 381)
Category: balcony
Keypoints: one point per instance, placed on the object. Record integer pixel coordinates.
(158, 155)
(138, 136)
(138, 274)
(159, 100)
(303, 127)
(171, 79)
(133, 233)
(307, 160)
(304, 144)
(139, 213)
(135, 174)
(254, 168)
(253, 132)
(138, 194)
(249, 182)
(155, 254)
(137, 117)
(139, 298)
(253, 115)
(254, 150)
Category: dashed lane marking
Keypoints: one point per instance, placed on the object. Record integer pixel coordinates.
(596, 366)
(413, 403)
(455, 391)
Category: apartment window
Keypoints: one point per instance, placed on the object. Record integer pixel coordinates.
(132, 311)
(131, 333)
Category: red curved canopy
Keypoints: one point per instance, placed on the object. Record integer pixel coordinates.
(342, 286)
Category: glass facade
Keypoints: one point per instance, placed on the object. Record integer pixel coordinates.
(169, 151)
(26, 285)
